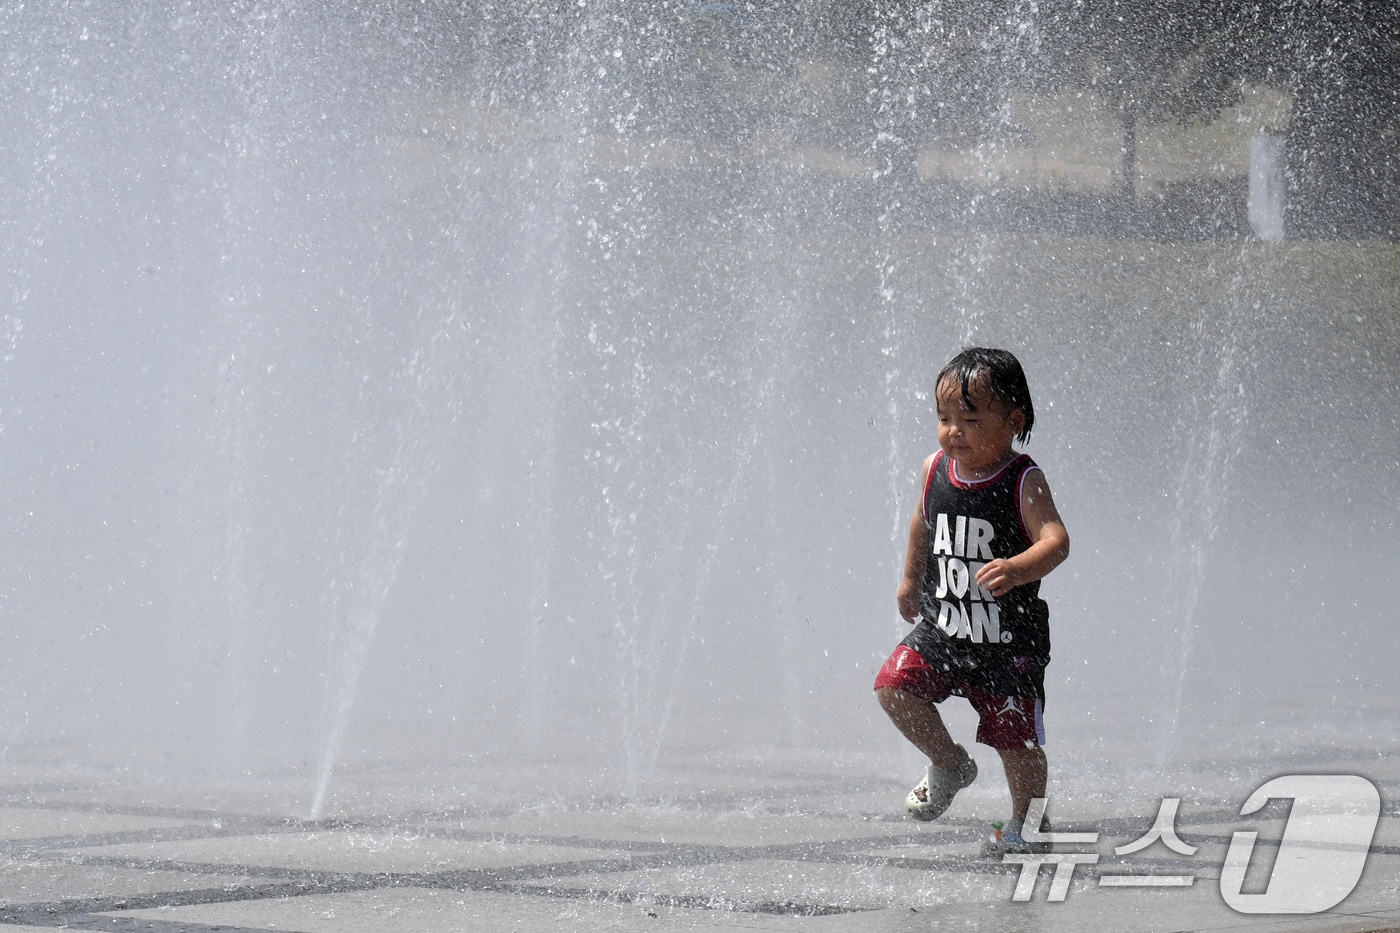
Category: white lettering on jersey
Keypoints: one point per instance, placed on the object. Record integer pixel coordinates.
(964, 537)
(942, 540)
(963, 545)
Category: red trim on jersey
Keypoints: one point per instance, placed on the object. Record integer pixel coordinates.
(928, 481)
(1020, 498)
(1022, 460)
(976, 483)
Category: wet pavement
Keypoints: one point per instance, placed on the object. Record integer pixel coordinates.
(743, 852)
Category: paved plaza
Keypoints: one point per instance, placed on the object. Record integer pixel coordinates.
(744, 849)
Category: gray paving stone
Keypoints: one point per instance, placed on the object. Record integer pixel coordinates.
(182, 858)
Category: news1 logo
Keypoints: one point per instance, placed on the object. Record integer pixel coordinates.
(1319, 861)
(1323, 850)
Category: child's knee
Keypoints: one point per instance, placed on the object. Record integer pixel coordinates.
(896, 702)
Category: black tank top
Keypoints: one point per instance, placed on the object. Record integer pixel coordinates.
(1001, 645)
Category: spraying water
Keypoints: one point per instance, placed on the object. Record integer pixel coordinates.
(516, 386)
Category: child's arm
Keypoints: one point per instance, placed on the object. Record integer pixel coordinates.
(1049, 547)
(916, 558)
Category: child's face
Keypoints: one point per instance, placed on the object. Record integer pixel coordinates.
(977, 437)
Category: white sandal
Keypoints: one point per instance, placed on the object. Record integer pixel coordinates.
(932, 796)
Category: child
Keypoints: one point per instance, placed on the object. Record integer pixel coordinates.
(985, 533)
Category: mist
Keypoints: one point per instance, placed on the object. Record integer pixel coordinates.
(549, 387)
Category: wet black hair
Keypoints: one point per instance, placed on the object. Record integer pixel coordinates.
(1005, 377)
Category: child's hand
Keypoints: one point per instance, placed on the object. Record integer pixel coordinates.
(908, 597)
(999, 577)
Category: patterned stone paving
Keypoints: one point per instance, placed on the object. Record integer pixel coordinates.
(74, 860)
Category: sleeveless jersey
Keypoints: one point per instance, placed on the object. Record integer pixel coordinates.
(999, 644)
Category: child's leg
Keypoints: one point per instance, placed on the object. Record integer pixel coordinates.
(1026, 775)
(918, 719)
(1015, 728)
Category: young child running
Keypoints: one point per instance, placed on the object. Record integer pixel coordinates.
(985, 532)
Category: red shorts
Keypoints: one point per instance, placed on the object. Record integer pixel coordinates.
(1003, 722)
